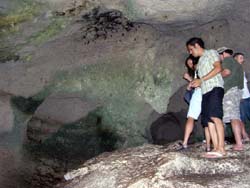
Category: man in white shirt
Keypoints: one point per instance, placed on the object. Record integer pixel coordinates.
(211, 82)
(245, 102)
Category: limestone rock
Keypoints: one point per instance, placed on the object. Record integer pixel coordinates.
(153, 11)
(57, 110)
(154, 166)
(6, 113)
(64, 108)
(168, 128)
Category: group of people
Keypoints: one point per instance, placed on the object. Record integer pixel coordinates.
(219, 94)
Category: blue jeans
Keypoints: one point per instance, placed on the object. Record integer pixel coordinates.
(245, 109)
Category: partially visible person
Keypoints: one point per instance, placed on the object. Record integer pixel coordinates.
(194, 109)
(233, 84)
(245, 101)
(211, 83)
(190, 63)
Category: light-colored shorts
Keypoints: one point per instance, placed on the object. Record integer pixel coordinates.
(231, 104)
(194, 109)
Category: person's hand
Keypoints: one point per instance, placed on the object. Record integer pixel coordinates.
(196, 83)
(187, 77)
(189, 87)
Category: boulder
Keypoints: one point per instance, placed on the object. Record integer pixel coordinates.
(64, 108)
(56, 111)
(168, 128)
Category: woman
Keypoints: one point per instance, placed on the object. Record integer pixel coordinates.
(194, 109)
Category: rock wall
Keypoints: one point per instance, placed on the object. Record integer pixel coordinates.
(126, 56)
(130, 59)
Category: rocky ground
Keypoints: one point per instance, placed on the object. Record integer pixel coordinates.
(151, 166)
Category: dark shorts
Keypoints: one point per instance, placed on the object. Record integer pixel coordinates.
(245, 110)
(212, 105)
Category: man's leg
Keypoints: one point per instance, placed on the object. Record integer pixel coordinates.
(213, 135)
(243, 110)
(237, 132)
(188, 130)
(243, 131)
(220, 133)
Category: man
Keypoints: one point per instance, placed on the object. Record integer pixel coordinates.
(233, 84)
(245, 101)
(211, 83)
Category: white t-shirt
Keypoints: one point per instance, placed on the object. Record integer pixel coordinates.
(245, 90)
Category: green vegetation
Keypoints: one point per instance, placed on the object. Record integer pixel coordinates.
(56, 25)
(25, 11)
(9, 24)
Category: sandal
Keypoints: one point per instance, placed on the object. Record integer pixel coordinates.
(213, 155)
(208, 149)
(238, 148)
(183, 148)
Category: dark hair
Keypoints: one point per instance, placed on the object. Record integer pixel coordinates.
(228, 51)
(195, 61)
(194, 41)
(237, 54)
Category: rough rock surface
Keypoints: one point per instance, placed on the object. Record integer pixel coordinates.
(129, 54)
(152, 166)
(7, 114)
(153, 11)
(64, 108)
(168, 128)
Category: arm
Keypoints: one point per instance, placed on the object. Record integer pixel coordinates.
(225, 73)
(187, 77)
(217, 69)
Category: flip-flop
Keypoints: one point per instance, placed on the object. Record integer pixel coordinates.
(182, 148)
(213, 155)
(246, 140)
(237, 148)
(208, 149)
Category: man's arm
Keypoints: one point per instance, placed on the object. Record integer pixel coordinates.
(225, 73)
(217, 69)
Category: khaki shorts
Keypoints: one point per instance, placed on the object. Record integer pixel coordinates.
(231, 104)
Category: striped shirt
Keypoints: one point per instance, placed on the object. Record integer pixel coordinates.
(205, 65)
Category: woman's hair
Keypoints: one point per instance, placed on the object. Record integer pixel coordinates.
(194, 61)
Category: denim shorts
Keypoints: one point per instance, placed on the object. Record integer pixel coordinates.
(245, 109)
(212, 105)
